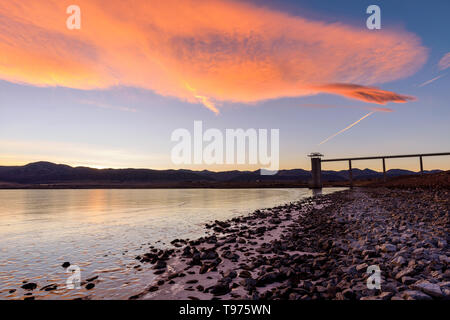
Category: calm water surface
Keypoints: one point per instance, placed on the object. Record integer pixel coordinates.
(102, 231)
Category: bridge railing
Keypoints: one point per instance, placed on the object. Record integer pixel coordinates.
(316, 166)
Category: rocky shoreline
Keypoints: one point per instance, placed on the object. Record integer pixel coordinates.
(318, 248)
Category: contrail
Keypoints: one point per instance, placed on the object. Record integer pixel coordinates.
(345, 129)
(430, 81)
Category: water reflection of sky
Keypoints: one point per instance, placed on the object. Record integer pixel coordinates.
(102, 231)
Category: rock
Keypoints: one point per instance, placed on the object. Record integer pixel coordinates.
(408, 280)
(349, 294)
(220, 289)
(387, 247)
(90, 286)
(442, 243)
(172, 276)
(362, 266)
(92, 279)
(415, 295)
(187, 251)
(149, 257)
(211, 240)
(399, 261)
(275, 221)
(192, 281)
(371, 298)
(248, 283)
(230, 256)
(66, 265)
(386, 295)
(260, 230)
(369, 253)
(50, 287)
(431, 289)
(245, 274)
(293, 296)
(446, 292)
(209, 255)
(200, 288)
(204, 268)
(153, 289)
(230, 274)
(29, 286)
(267, 278)
(444, 259)
(12, 291)
(222, 224)
(160, 265)
(226, 280)
(196, 259)
(390, 287)
(405, 272)
(351, 270)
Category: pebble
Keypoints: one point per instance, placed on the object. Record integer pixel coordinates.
(326, 245)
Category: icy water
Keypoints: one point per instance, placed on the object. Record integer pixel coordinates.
(102, 231)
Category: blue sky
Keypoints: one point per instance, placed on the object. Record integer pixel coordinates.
(128, 126)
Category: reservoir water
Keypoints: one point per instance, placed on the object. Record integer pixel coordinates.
(102, 231)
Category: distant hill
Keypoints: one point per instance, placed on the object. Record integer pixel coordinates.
(50, 173)
(47, 172)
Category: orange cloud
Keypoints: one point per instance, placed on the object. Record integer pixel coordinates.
(226, 50)
(204, 100)
(329, 106)
(364, 93)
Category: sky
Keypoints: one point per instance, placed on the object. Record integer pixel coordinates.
(111, 93)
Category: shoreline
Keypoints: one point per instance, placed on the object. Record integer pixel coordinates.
(317, 248)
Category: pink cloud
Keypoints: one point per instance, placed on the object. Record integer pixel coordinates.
(226, 50)
(329, 106)
(364, 93)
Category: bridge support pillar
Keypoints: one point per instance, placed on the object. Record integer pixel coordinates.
(350, 173)
(421, 165)
(316, 171)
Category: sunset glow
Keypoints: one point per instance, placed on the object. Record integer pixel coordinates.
(241, 53)
(111, 93)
